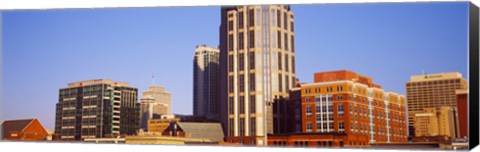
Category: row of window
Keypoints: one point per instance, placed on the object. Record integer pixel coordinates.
(241, 126)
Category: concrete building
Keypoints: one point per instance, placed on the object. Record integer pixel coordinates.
(154, 103)
(96, 109)
(206, 84)
(432, 91)
(23, 130)
(257, 67)
(344, 102)
(433, 122)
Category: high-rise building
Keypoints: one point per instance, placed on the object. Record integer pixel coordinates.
(432, 91)
(96, 109)
(344, 108)
(206, 85)
(154, 102)
(257, 67)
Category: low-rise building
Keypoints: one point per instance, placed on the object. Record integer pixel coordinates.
(23, 129)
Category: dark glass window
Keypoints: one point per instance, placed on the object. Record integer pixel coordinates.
(252, 82)
(251, 60)
(251, 17)
(241, 107)
(279, 61)
(240, 20)
(230, 63)
(241, 62)
(241, 41)
(251, 39)
(230, 25)
(279, 39)
(241, 83)
(230, 42)
(252, 104)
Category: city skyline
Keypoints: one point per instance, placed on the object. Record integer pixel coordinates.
(316, 40)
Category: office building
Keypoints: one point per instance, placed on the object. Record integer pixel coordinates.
(257, 67)
(23, 130)
(96, 109)
(432, 91)
(206, 84)
(343, 108)
(154, 103)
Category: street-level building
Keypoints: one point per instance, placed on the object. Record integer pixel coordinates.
(24, 130)
(96, 109)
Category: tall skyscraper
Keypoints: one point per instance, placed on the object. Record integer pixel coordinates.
(206, 85)
(154, 102)
(96, 109)
(432, 91)
(257, 67)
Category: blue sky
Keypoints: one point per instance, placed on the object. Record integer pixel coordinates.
(43, 50)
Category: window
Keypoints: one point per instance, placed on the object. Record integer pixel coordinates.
(287, 83)
(307, 99)
(251, 60)
(240, 20)
(308, 110)
(279, 61)
(339, 97)
(242, 126)
(279, 15)
(241, 62)
(293, 66)
(279, 39)
(252, 82)
(341, 126)
(330, 108)
(286, 62)
(241, 105)
(285, 25)
(340, 110)
(230, 105)
(291, 27)
(230, 84)
(230, 25)
(286, 41)
(317, 110)
(253, 126)
(252, 104)
(309, 127)
(230, 42)
(251, 17)
(241, 41)
(251, 39)
(280, 81)
(230, 63)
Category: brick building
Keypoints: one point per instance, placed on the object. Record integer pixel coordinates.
(24, 129)
(348, 103)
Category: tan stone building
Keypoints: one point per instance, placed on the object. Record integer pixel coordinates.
(432, 122)
(257, 67)
(432, 91)
(154, 102)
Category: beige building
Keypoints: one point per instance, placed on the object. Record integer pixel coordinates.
(432, 91)
(433, 122)
(206, 85)
(154, 102)
(257, 67)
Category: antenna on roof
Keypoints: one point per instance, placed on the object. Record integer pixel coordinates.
(153, 78)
